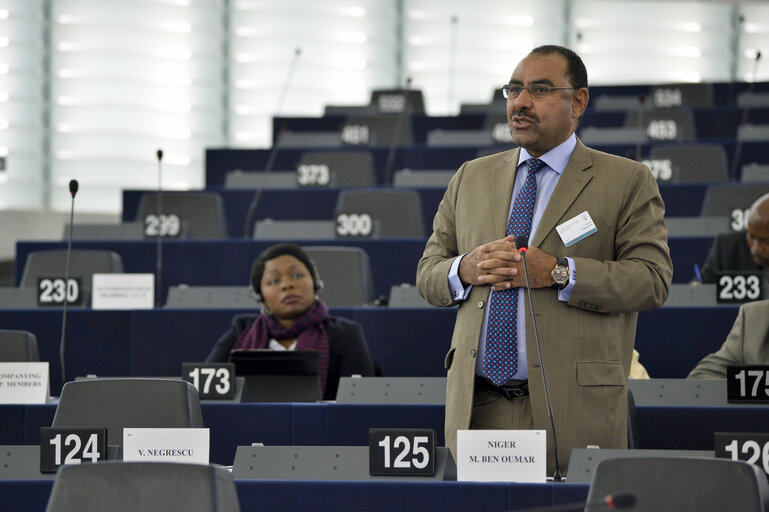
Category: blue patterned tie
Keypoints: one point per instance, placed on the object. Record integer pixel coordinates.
(500, 361)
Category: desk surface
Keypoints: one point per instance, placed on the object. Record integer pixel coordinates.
(329, 496)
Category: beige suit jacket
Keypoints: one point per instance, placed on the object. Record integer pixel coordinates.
(747, 343)
(587, 344)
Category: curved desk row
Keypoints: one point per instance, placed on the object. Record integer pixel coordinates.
(332, 424)
(228, 262)
(404, 342)
(682, 200)
(219, 161)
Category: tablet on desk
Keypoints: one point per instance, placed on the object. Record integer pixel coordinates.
(278, 375)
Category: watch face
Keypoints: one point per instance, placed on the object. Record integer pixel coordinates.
(560, 275)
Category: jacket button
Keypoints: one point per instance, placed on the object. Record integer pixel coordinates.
(444, 301)
(473, 352)
(480, 304)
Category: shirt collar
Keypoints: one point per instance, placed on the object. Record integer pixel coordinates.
(557, 158)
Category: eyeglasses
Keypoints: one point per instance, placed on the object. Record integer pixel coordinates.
(538, 91)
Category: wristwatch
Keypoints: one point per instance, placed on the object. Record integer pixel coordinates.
(560, 273)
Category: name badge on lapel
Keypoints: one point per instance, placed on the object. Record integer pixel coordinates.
(576, 229)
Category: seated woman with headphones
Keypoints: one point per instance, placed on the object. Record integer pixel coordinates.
(292, 317)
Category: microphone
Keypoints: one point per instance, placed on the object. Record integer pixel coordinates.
(275, 146)
(399, 121)
(745, 112)
(609, 502)
(159, 241)
(251, 212)
(522, 243)
(287, 82)
(73, 187)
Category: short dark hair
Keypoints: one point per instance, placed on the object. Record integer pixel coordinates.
(272, 252)
(575, 68)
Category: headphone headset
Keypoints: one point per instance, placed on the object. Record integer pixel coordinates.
(316, 280)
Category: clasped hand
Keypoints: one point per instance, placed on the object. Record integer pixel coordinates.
(500, 265)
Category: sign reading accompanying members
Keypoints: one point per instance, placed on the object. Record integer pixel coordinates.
(123, 291)
(59, 446)
(501, 456)
(401, 451)
(189, 445)
(747, 384)
(738, 287)
(212, 380)
(24, 383)
(51, 291)
(750, 447)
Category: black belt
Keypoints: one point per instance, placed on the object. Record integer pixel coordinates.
(510, 389)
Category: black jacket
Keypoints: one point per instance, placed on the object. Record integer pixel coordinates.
(729, 253)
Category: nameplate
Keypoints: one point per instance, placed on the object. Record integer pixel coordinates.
(167, 225)
(747, 384)
(59, 446)
(401, 451)
(502, 456)
(189, 445)
(51, 291)
(354, 224)
(212, 380)
(753, 448)
(24, 383)
(123, 291)
(313, 175)
(739, 287)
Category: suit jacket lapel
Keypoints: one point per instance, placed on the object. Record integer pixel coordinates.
(501, 181)
(578, 173)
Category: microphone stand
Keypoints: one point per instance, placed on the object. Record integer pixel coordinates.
(557, 474)
(251, 212)
(73, 186)
(745, 112)
(159, 244)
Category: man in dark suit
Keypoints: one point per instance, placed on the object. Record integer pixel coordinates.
(738, 251)
(604, 273)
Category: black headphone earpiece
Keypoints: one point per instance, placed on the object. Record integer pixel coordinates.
(318, 282)
(256, 295)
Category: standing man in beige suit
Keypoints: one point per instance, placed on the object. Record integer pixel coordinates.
(609, 261)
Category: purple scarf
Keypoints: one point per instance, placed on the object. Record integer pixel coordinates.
(308, 330)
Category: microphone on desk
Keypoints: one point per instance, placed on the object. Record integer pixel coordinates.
(522, 243)
(159, 242)
(73, 187)
(249, 219)
(609, 502)
(402, 117)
